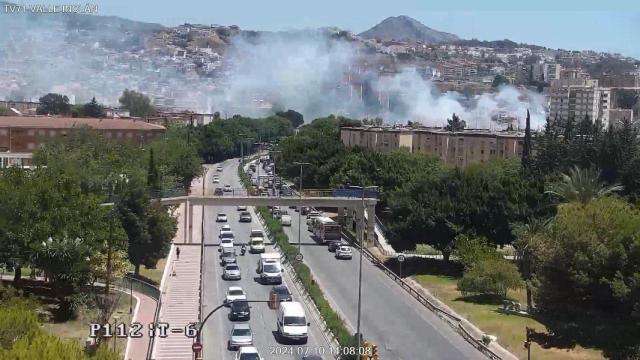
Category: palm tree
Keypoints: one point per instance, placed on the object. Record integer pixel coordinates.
(528, 245)
(582, 185)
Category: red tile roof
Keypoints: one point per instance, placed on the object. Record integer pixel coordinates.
(48, 122)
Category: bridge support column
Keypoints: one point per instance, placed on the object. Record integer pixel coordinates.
(349, 219)
(190, 236)
(185, 220)
(359, 223)
(341, 212)
(371, 225)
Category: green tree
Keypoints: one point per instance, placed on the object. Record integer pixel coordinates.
(455, 124)
(93, 109)
(472, 249)
(530, 239)
(293, 116)
(132, 207)
(590, 260)
(582, 185)
(137, 103)
(153, 175)
(499, 80)
(490, 276)
(526, 147)
(162, 229)
(53, 104)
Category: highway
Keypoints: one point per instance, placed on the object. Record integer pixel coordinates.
(263, 319)
(401, 327)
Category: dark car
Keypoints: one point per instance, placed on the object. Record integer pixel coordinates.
(304, 210)
(218, 192)
(240, 310)
(245, 216)
(333, 245)
(282, 291)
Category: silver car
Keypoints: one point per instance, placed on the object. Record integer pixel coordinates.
(231, 272)
(241, 335)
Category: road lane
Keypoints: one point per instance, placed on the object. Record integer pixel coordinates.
(401, 327)
(263, 319)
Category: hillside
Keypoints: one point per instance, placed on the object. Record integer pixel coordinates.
(404, 28)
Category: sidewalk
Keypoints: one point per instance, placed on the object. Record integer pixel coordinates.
(144, 313)
(180, 287)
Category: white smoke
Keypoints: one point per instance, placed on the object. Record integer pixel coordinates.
(312, 71)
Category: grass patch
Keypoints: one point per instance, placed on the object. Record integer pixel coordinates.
(424, 249)
(334, 321)
(510, 329)
(153, 276)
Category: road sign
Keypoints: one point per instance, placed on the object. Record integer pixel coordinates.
(299, 257)
(196, 347)
(400, 258)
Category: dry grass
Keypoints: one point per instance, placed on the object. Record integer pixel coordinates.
(78, 329)
(154, 275)
(510, 329)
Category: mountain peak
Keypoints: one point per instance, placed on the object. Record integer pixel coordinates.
(406, 28)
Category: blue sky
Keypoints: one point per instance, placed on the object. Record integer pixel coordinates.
(611, 25)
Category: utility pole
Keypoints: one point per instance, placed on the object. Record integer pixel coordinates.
(364, 189)
(204, 180)
(273, 184)
(300, 205)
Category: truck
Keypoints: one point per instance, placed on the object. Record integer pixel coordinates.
(269, 268)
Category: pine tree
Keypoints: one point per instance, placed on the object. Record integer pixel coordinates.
(526, 147)
(153, 175)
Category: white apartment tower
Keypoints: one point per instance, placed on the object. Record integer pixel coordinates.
(574, 99)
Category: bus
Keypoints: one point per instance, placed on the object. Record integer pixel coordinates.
(325, 229)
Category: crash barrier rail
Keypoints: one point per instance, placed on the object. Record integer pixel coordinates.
(453, 320)
(129, 283)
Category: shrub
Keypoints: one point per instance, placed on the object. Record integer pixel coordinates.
(490, 276)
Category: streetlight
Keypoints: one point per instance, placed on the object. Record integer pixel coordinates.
(273, 184)
(358, 334)
(204, 180)
(300, 205)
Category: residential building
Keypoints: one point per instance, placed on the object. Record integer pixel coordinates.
(453, 148)
(20, 136)
(574, 98)
(377, 138)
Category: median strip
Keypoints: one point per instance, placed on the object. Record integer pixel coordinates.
(335, 323)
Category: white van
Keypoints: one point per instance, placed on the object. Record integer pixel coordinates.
(256, 244)
(292, 322)
(269, 268)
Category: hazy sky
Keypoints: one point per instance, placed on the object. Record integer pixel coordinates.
(611, 25)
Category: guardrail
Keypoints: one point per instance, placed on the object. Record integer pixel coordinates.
(129, 283)
(453, 320)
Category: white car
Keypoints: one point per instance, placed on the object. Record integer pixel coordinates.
(219, 168)
(344, 252)
(225, 227)
(285, 219)
(216, 179)
(222, 217)
(248, 353)
(241, 207)
(235, 293)
(227, 188)
(226, 243)
(231, 272)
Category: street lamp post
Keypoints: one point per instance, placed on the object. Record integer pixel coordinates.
(273, 184)
(300, 205)
(204, 180)
(241, 148)
(358, 334)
